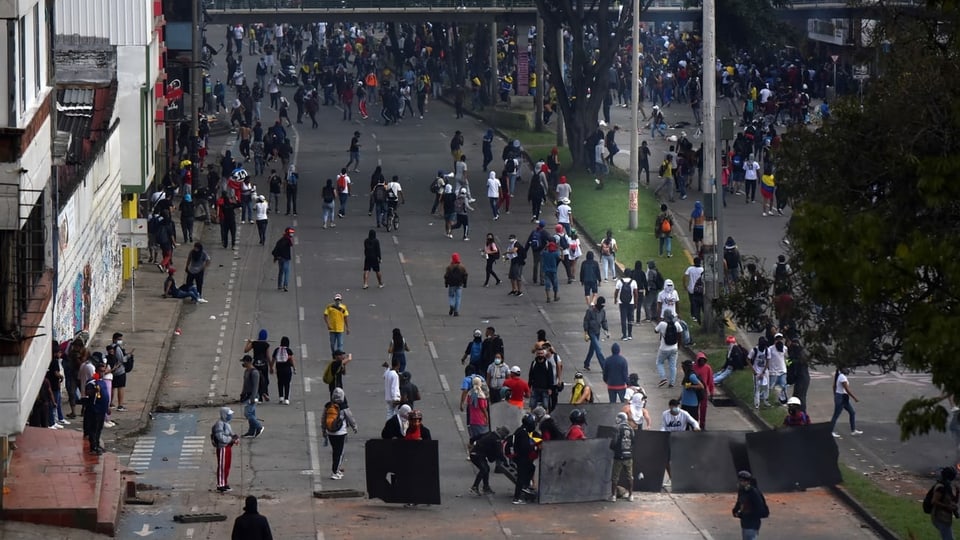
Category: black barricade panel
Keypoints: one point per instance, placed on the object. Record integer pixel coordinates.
(401, 471)
(506, 415)
(598, 414)
(575, 471)
(787, 459)
(651, 449)
(702, 461)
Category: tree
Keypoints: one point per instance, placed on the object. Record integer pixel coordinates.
(588, 67)
(876, 198)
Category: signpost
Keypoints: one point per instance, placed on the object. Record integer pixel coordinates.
(835, 58)
(133, 234)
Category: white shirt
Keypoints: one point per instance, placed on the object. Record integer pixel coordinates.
(460, 170)
(395, 188)
(493, 187)
(765, 94)
(668, 300)
(839, 389)
(563, 213)
(750, 169)
(693, 273)
(391, 386)
(262, 210)
(621, 283)
(346, 188)
(661, 329)
(679, 422)
(776, 360)
(564, 191)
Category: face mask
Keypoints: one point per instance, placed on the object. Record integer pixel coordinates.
(229, 417)
(119, 343)
(498, 361)
(674, 410)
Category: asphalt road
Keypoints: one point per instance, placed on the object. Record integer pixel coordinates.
(285, 465)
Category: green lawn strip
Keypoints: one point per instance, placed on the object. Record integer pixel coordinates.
(901, 514)
(595, 211)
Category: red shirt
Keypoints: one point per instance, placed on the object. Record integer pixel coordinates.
(519, 389)
(705, 374)
(576, 433)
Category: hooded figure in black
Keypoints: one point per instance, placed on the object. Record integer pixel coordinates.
(251, 525)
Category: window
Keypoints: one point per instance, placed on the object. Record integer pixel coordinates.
(22, 62)
(37, 82)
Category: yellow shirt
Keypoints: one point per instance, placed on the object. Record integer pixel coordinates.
(336, 317)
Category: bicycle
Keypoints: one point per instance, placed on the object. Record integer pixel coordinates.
(392, 220)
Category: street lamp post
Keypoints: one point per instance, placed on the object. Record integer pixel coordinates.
(713, 241)
(633, 194)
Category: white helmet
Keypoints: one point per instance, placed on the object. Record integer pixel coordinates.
(463, 191)
(794, 401)
(239, 175)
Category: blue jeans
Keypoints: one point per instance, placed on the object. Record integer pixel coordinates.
(781, 381)
(336, 342)
(719, 377)
(283, 273)
(189, 292)
(841, 402)
(550, 282)
(328, 211)
(493, 206)
(344, 197)
(608, 266)
(945, 530)
(594, 349)
(666, 244)
(453, 296)
(250, 412)
(616, 395)
(670, 358)
(749, 534)
(539, 396)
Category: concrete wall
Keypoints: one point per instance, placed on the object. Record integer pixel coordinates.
(89, 249)
(19, 385)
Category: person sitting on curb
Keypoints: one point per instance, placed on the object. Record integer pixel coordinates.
(170, 289)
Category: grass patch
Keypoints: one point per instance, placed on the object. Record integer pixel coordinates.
(902, 515)
(598, 210)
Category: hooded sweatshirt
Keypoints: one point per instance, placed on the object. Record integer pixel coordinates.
(222, 434)
(668, 298)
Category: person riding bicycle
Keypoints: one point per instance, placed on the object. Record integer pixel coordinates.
(379, 196)
(394, 194)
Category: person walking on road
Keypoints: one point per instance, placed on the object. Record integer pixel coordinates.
(485, 449)
(391, 386)
(944, 503)
(663, 231)
(750, 507)
(493, 194)
(693, 283)
(371, 259)
(704, 372)
(622, 446)
(354, 150)
(286, 368)
(249, 397)
(625, 296)
(590, 278)
(670, 332)
(328, 196)
(197, 262)
(251, 525)
(841, 400)
(223, 439)
(343, 191)
(594, 320)
(491, 252)
(261, 350)
(516, 256)
(455, 280)
(462, 207)
(282, 254)
(262, 213)
(336, 418)
(608, 256)
(337, 318)
(615, 374)
(550, 261)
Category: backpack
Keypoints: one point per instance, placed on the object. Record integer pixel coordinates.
(606, 248)
(562, 241)
(128, 363)
(670, 335)
(342, 182)
(475, 350)
(764, 509)
(213, 435)
(332, 418)
(626, 291)
(663, 168)
(622, 444)
(328, 375)
(665, 226)
(508, 447)
(435, 186)
(510, 166)
(928, 499)
(522, 252)
(698, 285)
(379, 193)
(534, 241)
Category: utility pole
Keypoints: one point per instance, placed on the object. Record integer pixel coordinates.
(558, 112)
(634, 192)
(538, 53)
(196, 79)
(712, 242)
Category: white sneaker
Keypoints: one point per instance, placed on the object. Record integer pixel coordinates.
(856, 432)
(336, 476)
(286, 402)
(64, 422)
(109, 423)
(836, 435)
(202, 300)
(613, 498)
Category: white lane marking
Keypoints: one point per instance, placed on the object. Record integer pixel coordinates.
(419, 312)
(303, 350)
(402, 259)
(296, 240)
(301, 313)
(319, 535)
(396, 241)
(433, 349)
(544, 314)
(457, 420)
(444, 384)
(306, 385)
(299, 282)
(297, 258)
(409, 281)
(314, 449)
(189, 533)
